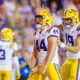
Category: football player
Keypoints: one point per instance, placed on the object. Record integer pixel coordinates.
(70, 69)
(8, 55)
(45, 53)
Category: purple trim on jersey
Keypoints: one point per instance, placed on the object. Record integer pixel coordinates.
(78, 69)
(52, 36)
(78, 34)
(57, 70)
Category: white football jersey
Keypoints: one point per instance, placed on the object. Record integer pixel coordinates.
(6, 55)
(42, 44)
(71, 35)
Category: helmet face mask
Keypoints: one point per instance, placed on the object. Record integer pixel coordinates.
(7, 35)
(38, 21)
(67, 21)
(72, 14)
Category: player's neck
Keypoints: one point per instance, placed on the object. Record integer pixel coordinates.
(43, 28)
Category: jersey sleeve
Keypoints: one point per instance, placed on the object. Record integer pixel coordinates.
(54, 32)
(1, 43)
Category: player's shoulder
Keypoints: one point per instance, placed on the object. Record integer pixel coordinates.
(53, 30)
(15, 46)
(2, 43)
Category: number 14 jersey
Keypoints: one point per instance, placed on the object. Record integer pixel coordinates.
(6, 54)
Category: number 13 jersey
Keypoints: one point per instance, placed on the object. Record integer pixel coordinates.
(71, 35)
(41, 42)
(6, 54)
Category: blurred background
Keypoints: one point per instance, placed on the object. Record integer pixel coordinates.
(19, 15)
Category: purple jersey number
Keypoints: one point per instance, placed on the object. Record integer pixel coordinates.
(41, 46)
(69, 39)
(2, 54)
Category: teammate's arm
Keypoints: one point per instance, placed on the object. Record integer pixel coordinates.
(16, 64)
(34, 57)
(75, 48)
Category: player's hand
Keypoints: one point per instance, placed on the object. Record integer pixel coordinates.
(38, 68)
(44, 69)
(41, 68)
(18, 75)
(34, 69)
